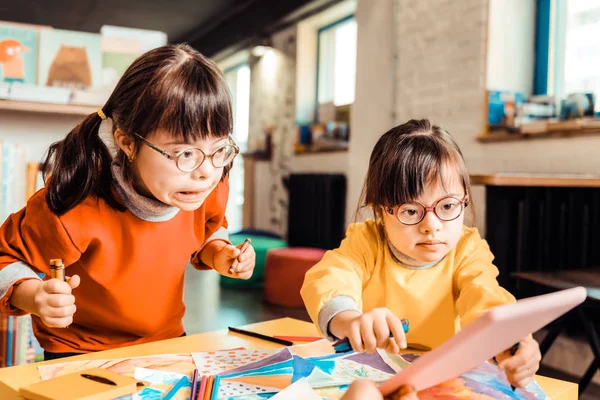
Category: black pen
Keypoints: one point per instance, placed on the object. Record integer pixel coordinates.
(261, 336)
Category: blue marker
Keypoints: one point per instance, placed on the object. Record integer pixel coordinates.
(179, 385)
(344, 346)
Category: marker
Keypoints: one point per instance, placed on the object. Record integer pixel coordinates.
(215, 389)
(182, 382)
(194, 389)
(236, 261)
(57, 269)
(344, 346)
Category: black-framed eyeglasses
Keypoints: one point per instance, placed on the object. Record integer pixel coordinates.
(446, 209)
(190, 159)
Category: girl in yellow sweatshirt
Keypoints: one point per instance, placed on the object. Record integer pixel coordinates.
(416, 260)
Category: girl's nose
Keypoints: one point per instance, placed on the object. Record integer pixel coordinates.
(430, 223)
(205, 170)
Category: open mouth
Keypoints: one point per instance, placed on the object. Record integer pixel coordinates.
(190, 193)
(190, 196)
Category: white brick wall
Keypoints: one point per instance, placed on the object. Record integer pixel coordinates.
(440, 73)
(272, 103)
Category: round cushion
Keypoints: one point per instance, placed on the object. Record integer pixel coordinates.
(284, 274)
(261, 245)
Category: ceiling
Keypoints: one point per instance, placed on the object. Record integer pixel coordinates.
(210, 26)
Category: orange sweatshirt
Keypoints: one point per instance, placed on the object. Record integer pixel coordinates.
(131, 269)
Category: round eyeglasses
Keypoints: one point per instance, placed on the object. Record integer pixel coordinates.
(446, 209)
(191, 159)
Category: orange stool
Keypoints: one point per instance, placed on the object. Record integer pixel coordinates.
(284, 274)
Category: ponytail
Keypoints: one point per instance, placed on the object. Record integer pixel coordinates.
(79, 166)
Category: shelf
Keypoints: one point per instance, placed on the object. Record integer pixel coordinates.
(256, 156)
(46, 108)
(504, 136)
(321, 150)
(536, 180)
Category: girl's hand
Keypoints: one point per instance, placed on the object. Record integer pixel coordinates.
(365, 389)
(54, 303)
(370, 331)
(224, 257)
(521, 367)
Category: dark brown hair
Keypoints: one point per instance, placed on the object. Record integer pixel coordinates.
(173, 88)
(406, 159)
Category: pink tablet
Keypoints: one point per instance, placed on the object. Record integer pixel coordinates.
(490, 334)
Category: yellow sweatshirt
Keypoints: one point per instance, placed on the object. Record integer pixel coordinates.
(362, 274)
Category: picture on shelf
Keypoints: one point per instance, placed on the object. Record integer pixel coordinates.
(18, 54)
(503, 106)
(121, 46)
(70, 59)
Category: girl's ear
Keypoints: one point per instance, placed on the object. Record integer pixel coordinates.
(125, 143)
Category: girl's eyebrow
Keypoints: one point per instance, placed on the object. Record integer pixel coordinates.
(191, 145)
(457, 195)
(451, 195)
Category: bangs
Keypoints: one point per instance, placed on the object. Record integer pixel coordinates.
(191, 102)
(424, 161)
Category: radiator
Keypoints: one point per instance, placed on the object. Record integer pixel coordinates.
(317, 209)
(542, 229)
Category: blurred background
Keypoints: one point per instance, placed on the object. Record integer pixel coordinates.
(314, 84)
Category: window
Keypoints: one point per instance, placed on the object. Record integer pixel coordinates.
(238, 80)
(336, 62)
(568, 31)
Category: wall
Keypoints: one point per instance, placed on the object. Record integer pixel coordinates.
(441, 70)
(272, 104)
(373, 109)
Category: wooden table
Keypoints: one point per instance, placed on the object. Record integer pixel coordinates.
(537, 180)
(22, 375)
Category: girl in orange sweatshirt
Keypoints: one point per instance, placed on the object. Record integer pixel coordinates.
(126, 211)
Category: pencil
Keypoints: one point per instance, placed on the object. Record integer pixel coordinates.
(235, 262)
(261, 336)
